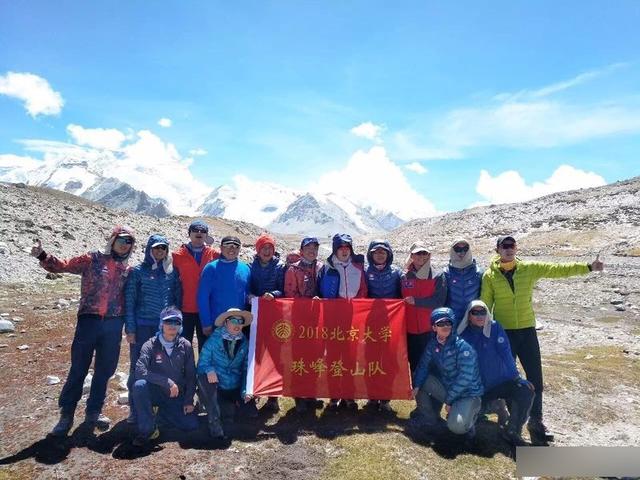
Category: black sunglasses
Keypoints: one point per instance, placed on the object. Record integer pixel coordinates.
(479, 312)
(199, 230)
(124, 240)
(508, 246)
(464, 249)
(444, 323)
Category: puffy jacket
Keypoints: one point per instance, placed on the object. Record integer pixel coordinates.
(268, 279)
(148, 291)
(455, 364)
(514, 308)
(329, 279)
(494, 353)
(383, 283)
(463, 285)
(190, 272)
(429, 293)
(232, 373)
(301, 279)
(155, 366)
(223, 285)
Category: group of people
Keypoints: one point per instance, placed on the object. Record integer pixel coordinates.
(465, 327)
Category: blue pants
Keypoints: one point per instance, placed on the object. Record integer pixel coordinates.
(93, 334)
(519, 396)
(143, 333)
(170, 410)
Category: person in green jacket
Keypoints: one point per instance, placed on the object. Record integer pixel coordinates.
(507, 289)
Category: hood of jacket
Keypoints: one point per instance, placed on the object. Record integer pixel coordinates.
(464, 323)
(167, 263)
(380, 244)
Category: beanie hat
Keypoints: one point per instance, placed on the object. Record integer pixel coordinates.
(265, 239)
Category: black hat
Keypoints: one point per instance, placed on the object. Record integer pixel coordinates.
(231, 240)
(504, 238)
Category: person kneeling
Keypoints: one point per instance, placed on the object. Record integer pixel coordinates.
(222, 368)
(448, 372)
(166, 379)
(498, 370)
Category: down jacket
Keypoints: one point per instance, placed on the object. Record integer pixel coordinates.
(232, 373)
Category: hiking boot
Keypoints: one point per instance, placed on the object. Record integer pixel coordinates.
(385, 407)
(215, 430)
(372, 405)
(271, 405)
(102, 422)
(539, 433)
(349, 404)
(513, 438)
(333, 404)
(249, 409)
(141, 440)
(63, 426)
(315, 403)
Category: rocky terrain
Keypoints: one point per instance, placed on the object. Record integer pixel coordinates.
(589, 331)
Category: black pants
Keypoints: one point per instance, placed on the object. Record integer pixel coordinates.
(518, 396)
(416, 342)
(525, 347)
(191, 323)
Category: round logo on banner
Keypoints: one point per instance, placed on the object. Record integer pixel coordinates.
(282, 330)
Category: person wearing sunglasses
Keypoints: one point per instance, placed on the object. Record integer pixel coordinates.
(463, 278)
(500, 376)
(222, 370)
(507, 290)
(98, 331)
(190, 259)
(151, 286)
(448, 372)
(165, 378)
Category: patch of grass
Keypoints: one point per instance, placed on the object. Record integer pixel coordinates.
(610, 319)
(594, 370)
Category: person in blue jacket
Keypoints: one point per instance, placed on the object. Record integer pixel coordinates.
(448, 372)
(222, 368)
(267, 281)
(463, 276)
(224, 284)
(500, 376)
(151, 286)
(165, 378)
(383, 281)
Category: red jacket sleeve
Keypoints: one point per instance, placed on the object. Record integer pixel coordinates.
(75, 265)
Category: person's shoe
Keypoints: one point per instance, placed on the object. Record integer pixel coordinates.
(372, 405)
(301, 405)
(250, 409)
(349, 404)
(539, 433)
(385, 407)
(141, 440)
(215, 430)
(315, 404)
(271, 405)
(100, 421)
(61, 429)
(333, 404)
(513, 438)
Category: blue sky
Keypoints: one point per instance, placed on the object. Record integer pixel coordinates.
(274, 91)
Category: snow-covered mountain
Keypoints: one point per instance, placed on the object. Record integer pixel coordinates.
(147, 188)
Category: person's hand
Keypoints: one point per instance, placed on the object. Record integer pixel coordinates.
(207, 331)
(131, 338)
(187, 409)
(410, 300)
(174, 390)
(212, 377)
(597, 265)
(37, 249)
(447, 408)
(247, 398)
(414, 393)
(268, 296)
(315, 297)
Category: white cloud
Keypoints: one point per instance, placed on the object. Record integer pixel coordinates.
(198, 152)
(405, 148)
(416, 167)
(369, 131)
(38, 96)
(107, 138)
(509, 186)
(165, 122)
(541, 124)
(371, 178)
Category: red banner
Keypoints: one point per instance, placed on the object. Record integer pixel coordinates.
(329, 349)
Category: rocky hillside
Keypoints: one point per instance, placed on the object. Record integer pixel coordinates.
(574, 223)
(69, 225)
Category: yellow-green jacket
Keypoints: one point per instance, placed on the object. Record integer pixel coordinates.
(514, 310)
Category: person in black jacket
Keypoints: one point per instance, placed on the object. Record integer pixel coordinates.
(165, 378)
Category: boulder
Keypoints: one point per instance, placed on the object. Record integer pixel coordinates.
(7, 326)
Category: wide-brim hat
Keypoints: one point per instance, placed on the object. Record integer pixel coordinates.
(234, 312)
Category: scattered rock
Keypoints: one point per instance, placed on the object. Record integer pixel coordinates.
(123, 398)
(7, 326)
(67, 236)
(122, 379)
(3, 345)
(63, 303)
(617, 302)
(620, 308)
(5, 314)
(52, 380)
(86, 386)
(4, 248)
(23, 347)
(53, 276)
(17, 319)
(588, 357)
